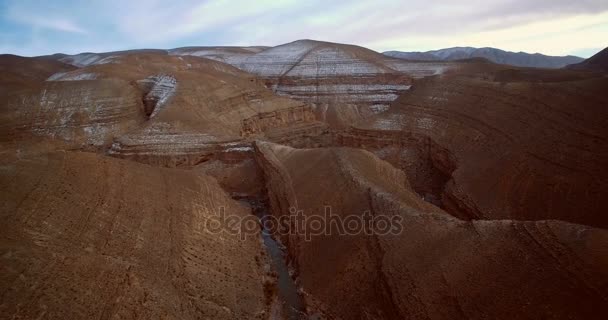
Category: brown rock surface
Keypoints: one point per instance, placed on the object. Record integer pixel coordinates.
(437, 267)
(517, 149)
(86, 236)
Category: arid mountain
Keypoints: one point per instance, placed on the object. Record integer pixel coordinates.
(162, 107)
(113, 165)
(598, 63)
(519, 59)
(326, 75)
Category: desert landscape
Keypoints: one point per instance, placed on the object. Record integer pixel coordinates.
(171, 184)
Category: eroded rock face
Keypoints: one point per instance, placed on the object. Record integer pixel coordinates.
(522, 150)
(158, 90)
(81, 113)
(88, 236)
(437, 266)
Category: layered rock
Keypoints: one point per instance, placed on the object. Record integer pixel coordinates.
(343, 82)
(81, 113)
(230, 55)
(151, 107)
(211, 105)
(434, 266)
(521, 150)
(86, 236)
(158, 89)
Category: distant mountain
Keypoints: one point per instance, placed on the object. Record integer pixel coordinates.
(520, 59)
(598, 62)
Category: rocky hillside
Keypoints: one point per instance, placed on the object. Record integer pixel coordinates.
(501, 149)
(519, 59)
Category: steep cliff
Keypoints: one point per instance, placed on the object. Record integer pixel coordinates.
(433, 266)
(520, 150)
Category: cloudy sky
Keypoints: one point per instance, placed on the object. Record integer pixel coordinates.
(555, 27)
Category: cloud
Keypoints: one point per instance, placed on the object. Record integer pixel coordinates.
(39, 20)
(540, 25)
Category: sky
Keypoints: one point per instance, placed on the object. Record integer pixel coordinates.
(553, 27)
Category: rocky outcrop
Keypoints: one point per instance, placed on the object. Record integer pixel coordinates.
(86, 236)
(433, 266)
(263, 122)
(158, 89)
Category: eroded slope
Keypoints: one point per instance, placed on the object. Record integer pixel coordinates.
(513, 149)
(86, 236)
(437, 266)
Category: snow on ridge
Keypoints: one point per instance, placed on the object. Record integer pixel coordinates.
(108, 59)
(72, 76)
(82, 59)
(162, 87)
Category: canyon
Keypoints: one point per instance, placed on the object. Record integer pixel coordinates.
(116, 167)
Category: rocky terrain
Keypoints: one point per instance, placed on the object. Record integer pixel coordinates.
(501, 149)
(115, 166)
(519, 59)
(438, 267)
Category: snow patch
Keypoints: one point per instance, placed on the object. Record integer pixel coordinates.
(162, 87)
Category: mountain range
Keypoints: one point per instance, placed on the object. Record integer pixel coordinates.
(520, 59)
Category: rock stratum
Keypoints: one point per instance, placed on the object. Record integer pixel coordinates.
(114, 164)
(503, 150)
